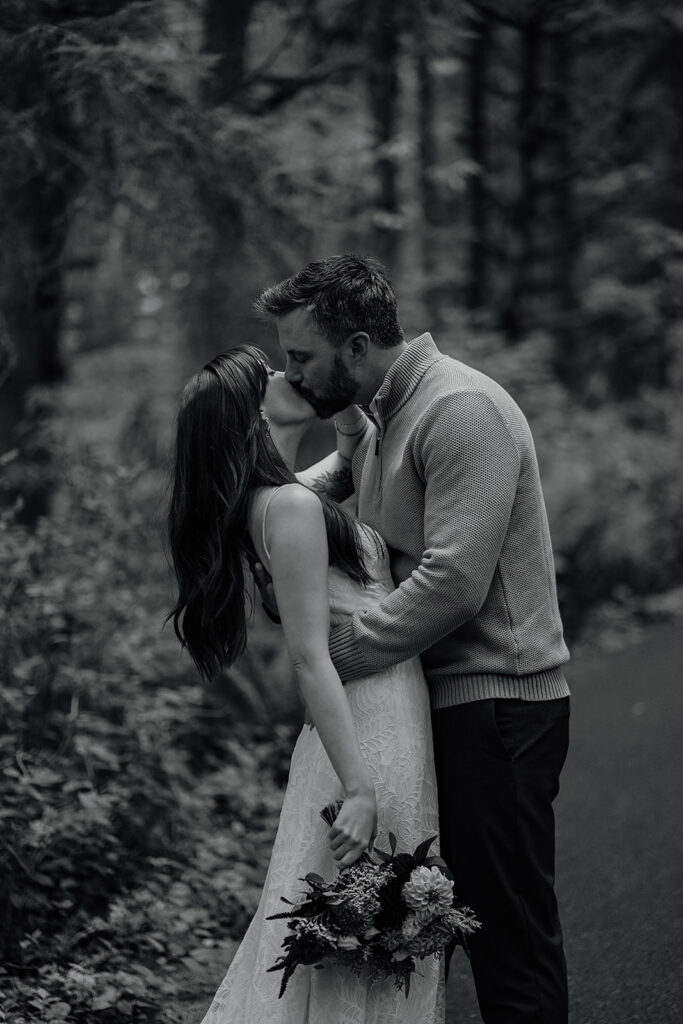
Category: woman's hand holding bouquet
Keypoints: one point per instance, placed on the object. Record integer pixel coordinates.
(378, 917)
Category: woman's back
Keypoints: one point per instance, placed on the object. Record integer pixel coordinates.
(346, 595)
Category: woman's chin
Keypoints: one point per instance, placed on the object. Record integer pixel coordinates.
(299, 420)
(304, 413)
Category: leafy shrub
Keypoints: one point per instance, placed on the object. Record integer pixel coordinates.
(138, 805)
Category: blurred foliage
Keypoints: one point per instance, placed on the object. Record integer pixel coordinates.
(160, 161)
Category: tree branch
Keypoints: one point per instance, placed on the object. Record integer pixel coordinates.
(287, 87)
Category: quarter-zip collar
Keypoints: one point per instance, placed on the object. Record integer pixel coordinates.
(403, 377)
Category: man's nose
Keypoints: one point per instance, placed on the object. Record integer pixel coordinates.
(293, 374)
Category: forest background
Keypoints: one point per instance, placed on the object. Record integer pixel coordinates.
(517, 165)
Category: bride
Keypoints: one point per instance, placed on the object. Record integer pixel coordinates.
(235, 496)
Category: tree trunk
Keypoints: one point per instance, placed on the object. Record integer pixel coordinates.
(565, 225)
(35, 220)
(383, 51)
(35, 228)
(33, 303)
(477, 75)
(32, 292)
(515, 317)
(315, 50)
(429, 196)
(225, 34)
(219, 272)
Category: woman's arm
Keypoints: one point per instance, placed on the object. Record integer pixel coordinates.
(332, 475)
(296, 537)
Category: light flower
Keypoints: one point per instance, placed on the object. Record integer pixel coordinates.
(428, 889)
(315, 929)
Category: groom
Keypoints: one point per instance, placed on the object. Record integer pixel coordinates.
(446, 472)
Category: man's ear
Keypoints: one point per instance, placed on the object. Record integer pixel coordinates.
(357, 347)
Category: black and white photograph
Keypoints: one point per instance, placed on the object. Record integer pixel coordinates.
(341, 512)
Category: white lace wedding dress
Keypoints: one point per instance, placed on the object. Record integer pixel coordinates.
(392, 720)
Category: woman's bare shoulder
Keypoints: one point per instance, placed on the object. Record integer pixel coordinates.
(295, 498)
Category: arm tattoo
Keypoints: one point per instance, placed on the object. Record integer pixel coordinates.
(336, 485)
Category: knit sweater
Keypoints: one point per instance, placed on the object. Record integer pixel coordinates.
(447, 474)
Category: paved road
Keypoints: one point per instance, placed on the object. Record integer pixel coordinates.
(620, 841)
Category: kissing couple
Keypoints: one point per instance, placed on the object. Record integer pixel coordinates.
(412, 572)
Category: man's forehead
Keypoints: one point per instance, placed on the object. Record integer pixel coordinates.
(297, 330)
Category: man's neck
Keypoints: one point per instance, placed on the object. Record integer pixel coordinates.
(383, 360)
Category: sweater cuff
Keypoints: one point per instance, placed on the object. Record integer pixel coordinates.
(345, 655)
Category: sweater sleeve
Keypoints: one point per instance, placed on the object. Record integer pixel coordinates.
(470, 465)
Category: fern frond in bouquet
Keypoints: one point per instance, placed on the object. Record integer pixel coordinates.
(378, 917)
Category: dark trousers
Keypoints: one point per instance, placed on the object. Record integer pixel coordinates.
(498, 765)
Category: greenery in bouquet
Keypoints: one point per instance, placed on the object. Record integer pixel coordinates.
(377, 917)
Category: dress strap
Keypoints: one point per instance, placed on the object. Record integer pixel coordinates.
(264, 514)
(259, 507)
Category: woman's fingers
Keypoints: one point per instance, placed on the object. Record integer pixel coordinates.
(355, 828)
(349, 859)
(339, 836)
(344, 846)
(348, 853)
(337, 841)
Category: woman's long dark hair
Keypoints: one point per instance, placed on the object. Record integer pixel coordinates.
(223, 450)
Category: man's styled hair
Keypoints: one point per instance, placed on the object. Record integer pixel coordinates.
(343, 294)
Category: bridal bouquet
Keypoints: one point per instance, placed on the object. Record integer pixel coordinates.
(377, 918)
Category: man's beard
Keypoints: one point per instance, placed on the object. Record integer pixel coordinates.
(340, 391)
